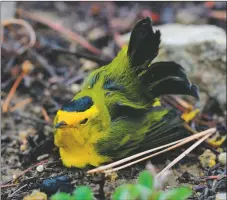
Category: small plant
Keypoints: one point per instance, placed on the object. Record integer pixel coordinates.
(80, 193)
(144, 189)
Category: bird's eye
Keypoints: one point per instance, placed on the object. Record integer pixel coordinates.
(84, 121)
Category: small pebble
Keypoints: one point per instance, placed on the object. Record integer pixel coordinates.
(222, 158)
(75, 88)
(37, 109)
(88, 65)
(40, 168)
(42, 157)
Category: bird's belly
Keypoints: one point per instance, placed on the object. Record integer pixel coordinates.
(76, 151)
(81, 156)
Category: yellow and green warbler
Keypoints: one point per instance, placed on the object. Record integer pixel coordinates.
(118, 110)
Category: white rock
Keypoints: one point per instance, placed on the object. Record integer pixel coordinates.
(40, 168)
(178, 34)
(75, 88)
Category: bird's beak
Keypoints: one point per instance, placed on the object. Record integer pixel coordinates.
(60, 124)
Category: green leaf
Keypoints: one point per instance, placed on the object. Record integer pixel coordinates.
(181, 193)
(127, 191)
(82, 193)
(131, 192)
(61, 196)
(146, 179)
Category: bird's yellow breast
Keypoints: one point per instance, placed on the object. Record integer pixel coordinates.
(76, 141)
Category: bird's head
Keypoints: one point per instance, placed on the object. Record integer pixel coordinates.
(82, 121)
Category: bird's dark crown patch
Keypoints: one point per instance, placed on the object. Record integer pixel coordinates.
(79, 105)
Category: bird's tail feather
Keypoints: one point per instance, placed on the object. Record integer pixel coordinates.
(159, 78)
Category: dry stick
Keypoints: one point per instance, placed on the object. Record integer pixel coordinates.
(186, 140)
(57, 27)
(179, 143)
(29, 29)
(175, 104)
(101, 168)
(165, 150)
(9, 185)
(12, 92)
(25, 171)
(176, 160)
(206, 144)
(46, 116)
(215, 177)
(21, 103)
(182, 102)
(17, 190)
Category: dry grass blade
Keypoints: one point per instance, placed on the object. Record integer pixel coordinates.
(57, 27)
(45, 114)
(11, 195)
(28, 27)
(101, 168)
(179, 143)
(20, 104)
(182, 102)
(23, 172)
(184, 153)
(10, 185)
(12, 92)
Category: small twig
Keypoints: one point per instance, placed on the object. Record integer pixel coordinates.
(182, 102)
(174, 103)
(83, 55)
(21, 103)
(101, 168)
(206, 144)
(45, 114)
(177, 144)
(57, 27)
(9, 185)
(28, 27)
(25, 171)
(12, 92)
(176, 160)
(214, 177)
(209, 124)
(17, 190)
